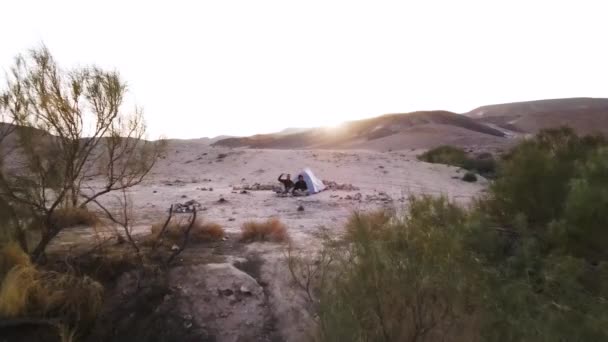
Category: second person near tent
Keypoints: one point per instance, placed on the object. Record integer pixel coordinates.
(300, 188)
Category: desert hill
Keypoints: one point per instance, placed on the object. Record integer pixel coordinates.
(392, 131)
(585, 115)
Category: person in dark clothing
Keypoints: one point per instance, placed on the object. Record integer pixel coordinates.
(287, 182)
(300, 188)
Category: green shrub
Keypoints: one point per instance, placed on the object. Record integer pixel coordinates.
(448, 155)
(401, 279)
(483, 163)
(584, 226)
(527, 262)
(469, 177)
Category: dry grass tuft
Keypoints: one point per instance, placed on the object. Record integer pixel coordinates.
(26, 291)
(12, 255)
(29, 292)
(201, 231)
(270, 230)
(71, 217)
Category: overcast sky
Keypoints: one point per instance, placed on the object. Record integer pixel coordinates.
(204, 68)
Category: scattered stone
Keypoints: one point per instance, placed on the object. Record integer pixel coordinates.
(154, 191)
(225, 292)
(331, 185)
(175, 248)
(244, 192)
(232, 219)
(257, 187)
(184, 196)
(186, 207)
(380, 197)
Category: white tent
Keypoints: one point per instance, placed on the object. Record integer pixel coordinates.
(314, 184)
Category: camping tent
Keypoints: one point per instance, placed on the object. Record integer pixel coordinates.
(314, 184)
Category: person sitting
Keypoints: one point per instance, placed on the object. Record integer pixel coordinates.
(300, 188)
(287, 182)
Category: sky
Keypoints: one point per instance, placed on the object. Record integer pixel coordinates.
(228, 67)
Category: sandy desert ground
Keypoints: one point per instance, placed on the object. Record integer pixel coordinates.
(273, 309)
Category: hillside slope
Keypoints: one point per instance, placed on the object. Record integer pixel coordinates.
(392, 131)
(585, 115)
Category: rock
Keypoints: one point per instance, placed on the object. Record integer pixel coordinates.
(225, 292)
(244, 192)
(331, 185)
(154, 191)
(186, 207)
(175, 248)
(184, 196)
(231, 219)
(245, 290)
(210, 307)
(301, 208)
(222, 200)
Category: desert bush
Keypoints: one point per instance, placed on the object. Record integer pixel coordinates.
(483, 163)
(270, 230)
(469, 177)
(67, 217)
(201, 231)
(535, 177)
(371, 223)
(541, 238)
(527, 262)
(445, 154)
(406, 284)
(583, 227)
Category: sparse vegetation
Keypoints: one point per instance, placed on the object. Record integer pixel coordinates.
(74, 216)
(270, 230)
(201, 231)
(371, 223)
(527, 262)
(69, 125)
(483, 163)
(26, 291)
(448, 155)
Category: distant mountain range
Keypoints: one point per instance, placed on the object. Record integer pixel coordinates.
(490, 126)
